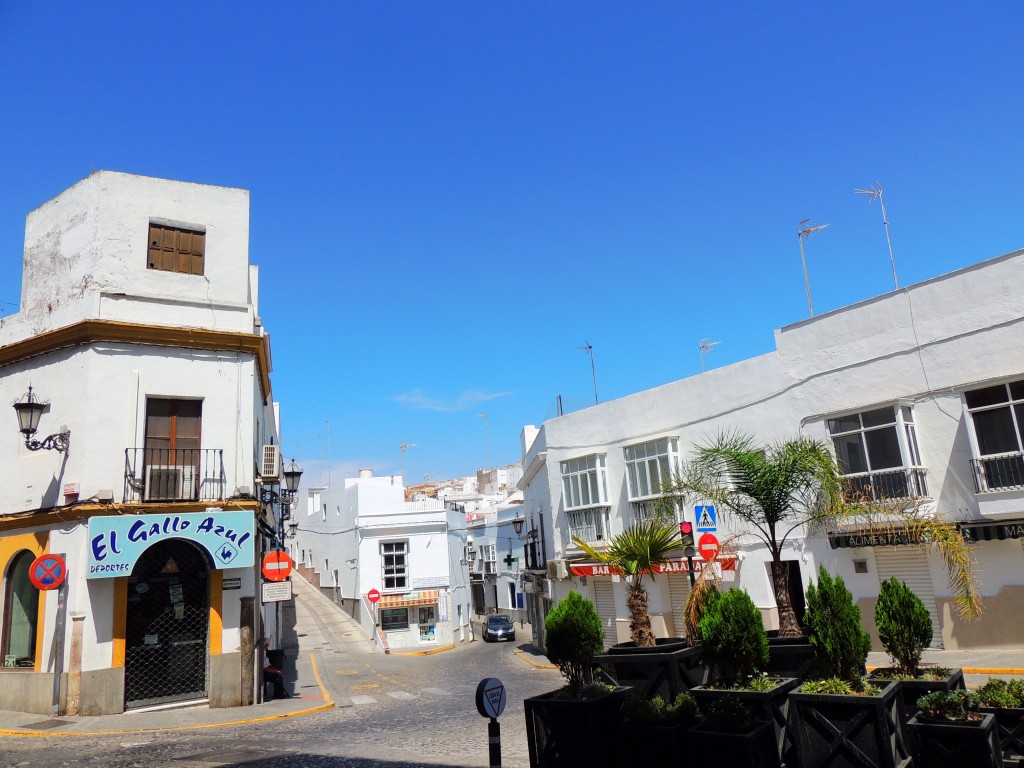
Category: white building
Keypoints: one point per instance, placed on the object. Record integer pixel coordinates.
(139, 326)
(495, 557)
(364, 536)
(921, 391)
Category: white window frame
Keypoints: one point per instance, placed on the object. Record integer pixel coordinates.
(1006, 465)
(648, 465)
(488, 552)
(906, 437)
(391, 549)
(584, 482)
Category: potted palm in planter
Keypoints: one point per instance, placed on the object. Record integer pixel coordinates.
(655, 667)
(653, 730)
(950, 732)
(572, 725)
(735, 648)
(905, 629)
(1004, 700)
(840, 720)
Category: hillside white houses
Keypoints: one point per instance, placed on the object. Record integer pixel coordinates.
(139, 335)
(921, 393)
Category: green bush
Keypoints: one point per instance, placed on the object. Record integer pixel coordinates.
(703, 595)
(573, 637)
(655, 711)
(1002, 694)
(904, 626)
(833, 620)
(733, 638)
(948, 705)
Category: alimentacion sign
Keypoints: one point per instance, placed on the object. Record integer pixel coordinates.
(115, 543)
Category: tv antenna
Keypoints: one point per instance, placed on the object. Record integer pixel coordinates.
(873, 193)
(405, 447)
(593, 371)
(803, 233)
(706, 345)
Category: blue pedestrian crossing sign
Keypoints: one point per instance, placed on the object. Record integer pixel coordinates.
(707, 518)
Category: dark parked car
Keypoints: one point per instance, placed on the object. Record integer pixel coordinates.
(499, 627)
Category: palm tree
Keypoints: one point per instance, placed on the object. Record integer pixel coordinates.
(776, 489)
(635, 552)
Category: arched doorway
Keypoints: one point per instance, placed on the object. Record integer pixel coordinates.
(167, 625)
(21, 610)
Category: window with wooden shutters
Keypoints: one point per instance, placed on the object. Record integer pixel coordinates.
(174, 249)
(173, 435)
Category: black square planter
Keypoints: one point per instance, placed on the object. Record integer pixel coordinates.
(834, 731)
(770, 706)
(669, 668)
(650, 744)
(567, 732)
(735, 750)
(1010, 727)
(912, 690)
(952, 745)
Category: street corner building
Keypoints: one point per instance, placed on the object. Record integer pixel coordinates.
(920, 394)
(140, 373)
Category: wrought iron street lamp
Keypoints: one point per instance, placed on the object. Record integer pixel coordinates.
(30, 411)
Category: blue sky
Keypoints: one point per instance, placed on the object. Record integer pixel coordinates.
(448, 199)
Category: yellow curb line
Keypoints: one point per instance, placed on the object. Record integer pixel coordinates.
(329, 704)
(528, 660)
(981, 670)
(431, 652)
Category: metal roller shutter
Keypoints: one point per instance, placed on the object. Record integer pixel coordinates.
(678, 592)
(604, 602)
(909, 564)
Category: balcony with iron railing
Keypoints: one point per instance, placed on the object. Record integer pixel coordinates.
(887, 485)
(1004, 472)
(648, 509)
(186, 474)
(589, 525)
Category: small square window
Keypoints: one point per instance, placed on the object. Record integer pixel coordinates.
(173, 249)
(860, 566)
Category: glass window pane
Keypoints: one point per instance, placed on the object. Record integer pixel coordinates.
(883, 448)
(576, 490)
(1019, 413)
(844, 424)
(878, 417)
(986, 396)
(643, 487)
(915, 453)
(663, 473)
(995, 431)
(850, 454)
(1017, 390)
(584, 491)
(595, 493)
(908, 414)
(634, 489)
(630, 453)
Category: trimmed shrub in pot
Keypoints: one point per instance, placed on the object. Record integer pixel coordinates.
(950, 732)
(733, 638)
(904, 626)
(833, 620)
(1004, 700)
(578, 723)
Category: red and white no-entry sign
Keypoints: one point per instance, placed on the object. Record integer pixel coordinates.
(277, 566)
(373, 595)
(707, 545)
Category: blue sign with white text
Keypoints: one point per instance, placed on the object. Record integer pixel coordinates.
(115, 543)
(707, 518)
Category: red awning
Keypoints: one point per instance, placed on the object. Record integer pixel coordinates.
(728, 563)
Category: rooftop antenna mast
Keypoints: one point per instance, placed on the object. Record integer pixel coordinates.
(405, 447)
(593, 371)
(803, 233)
(875, 192)
(706, 345)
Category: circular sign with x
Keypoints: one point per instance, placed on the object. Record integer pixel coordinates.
(47, 572)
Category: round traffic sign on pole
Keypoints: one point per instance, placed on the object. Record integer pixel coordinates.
(277, 565)
(490, 697)
(47, 572)
(707, 545)
(373, 595)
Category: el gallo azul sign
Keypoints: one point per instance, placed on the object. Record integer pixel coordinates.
(116, 543)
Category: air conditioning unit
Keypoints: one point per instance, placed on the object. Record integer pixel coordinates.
(169, 483)
(271, 467)
(558, 570)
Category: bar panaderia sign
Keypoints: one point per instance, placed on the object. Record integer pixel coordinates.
(728, 563)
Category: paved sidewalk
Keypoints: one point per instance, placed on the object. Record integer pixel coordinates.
(314, 625)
